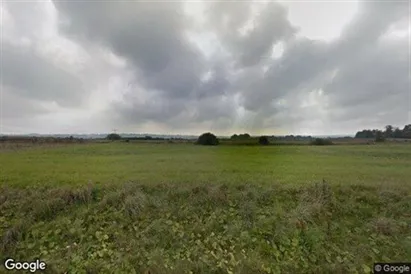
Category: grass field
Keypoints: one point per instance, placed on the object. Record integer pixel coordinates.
(175, 208)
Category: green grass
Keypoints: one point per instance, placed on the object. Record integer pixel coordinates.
(187, 163)
(175, 208)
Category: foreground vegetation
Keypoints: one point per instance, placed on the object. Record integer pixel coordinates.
(176, 208)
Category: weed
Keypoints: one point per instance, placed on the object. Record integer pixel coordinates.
(385, 226)
(14, 234)
(135, 204)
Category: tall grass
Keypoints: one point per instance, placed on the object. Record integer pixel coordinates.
(209, 228)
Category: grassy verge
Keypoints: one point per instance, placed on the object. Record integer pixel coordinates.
(207, 228)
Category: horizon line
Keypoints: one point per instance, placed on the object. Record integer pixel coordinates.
(165, 134)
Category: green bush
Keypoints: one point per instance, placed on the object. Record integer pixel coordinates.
(244, 136)
(113, 137)
(321, 142)
(207, 139)
(263, 140)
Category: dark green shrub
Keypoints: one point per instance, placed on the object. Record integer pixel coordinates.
(321, 142)
(244, 136)
(207, 139)
(113, 137)
(263, 140)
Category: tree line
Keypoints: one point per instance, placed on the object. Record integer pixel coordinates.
(210, 139)
(388, 132)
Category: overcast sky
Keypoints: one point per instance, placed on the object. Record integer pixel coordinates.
(189, 67)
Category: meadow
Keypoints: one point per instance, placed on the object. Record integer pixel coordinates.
(181, 208)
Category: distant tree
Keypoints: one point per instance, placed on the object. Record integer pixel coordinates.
(360, 134)
(241, 136)
(406, 132)
(321, 142)
(397, 133)
(113, 137)
(389, 131)
(207, 139)
(263, 140)
(245, 136)
(379, 136)
(233, 137)
(366, 133)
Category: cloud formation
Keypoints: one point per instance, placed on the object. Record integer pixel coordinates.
(178, 67)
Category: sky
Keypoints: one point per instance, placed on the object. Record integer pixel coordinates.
(187, 67)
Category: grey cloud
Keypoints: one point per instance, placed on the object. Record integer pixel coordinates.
(33, 76)
(218, 84)
(26, 17)
(303, 61)
(153, 108)
(152, 36)
(17, 107)
(373, 19)
(372, 76)
(270, 25)
(203, 105)
(168, 88)
(228, 16)
(386, 110)
(368, 71)
(210, 108)
(173, 112)
(380, 73)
